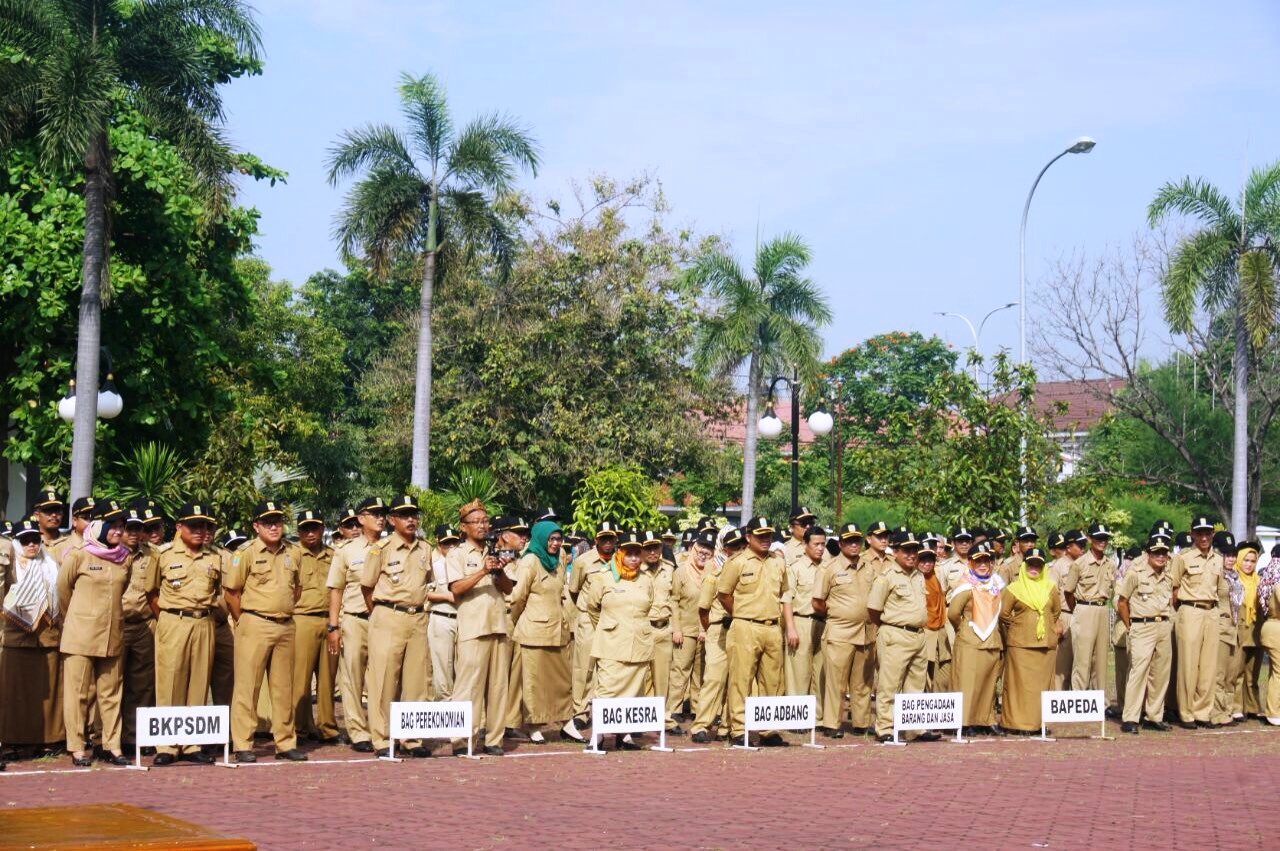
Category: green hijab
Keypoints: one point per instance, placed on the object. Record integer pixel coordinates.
(542, 530)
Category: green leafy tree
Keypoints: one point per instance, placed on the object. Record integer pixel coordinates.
(71, 69)
(420, 191)
(1228, 265)
(621, 494)
(766, 320)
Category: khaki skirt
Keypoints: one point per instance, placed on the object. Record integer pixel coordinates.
(31, 682)
(1027, 672)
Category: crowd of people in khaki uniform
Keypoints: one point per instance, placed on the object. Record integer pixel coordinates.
(532, 622)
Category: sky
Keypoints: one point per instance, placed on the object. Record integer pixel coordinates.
(899, 139)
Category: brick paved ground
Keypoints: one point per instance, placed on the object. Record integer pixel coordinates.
(1173, 790)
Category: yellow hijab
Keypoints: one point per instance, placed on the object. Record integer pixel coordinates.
(1249, 605)
(1035, 594)
(620, 570)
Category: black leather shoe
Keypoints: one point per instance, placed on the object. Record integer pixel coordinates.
(148, 750)
(420, 752)
(1205, 725)
(675, 731)
(515, 734)
(83, 761)
(830, 733)
(928, 736)
(199, 757)
(773, 740)
(246, 756)
(292, 754)
(702, 737)
(1113, 712)
(1129, 727)
(1187, 725)
(460, 750)
(115, 758)
(969, 732)
(383, 753)
(164, 759)
(491, 750)
(332, 740)
(995, 730)
(1158, 726)
(884, 740)
(363, 747)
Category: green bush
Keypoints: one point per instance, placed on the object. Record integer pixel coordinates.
(623, 495)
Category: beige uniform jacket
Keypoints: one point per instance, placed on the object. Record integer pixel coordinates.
(663, 576)
(481, 611)
(880, 564)
(846, 587)
(398, 571)
(707, 596)
(619, 609)
(1196, 575)
(266, 580)
(536, 605)
(136, 607)
(1149, 594)
(91, 591)
(185, 578)
(759, 585)
(1018, 621)
(313, 573)
(899, 596)
(345, 572)
(686, 585)
(803, 576)
(1091, 578)
(584, 567)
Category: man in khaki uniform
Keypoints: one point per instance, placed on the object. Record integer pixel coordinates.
(311, 657)
(1144, 604)
(688, 636)
(662, 572)
(952, 567)
(1088, 587)
(848, 641)
(1196, 574)
(262, 588)
(876, 556)
(801, 519)
(709, 707)
(139, 638)
(82, 512)
(1073, 545)
(395, 579)
(442, 619)
(802, 664)
(591, 562)
(183, 587)
(1024, 538)
(48, 512)
(897, 607)
(478, 581)
(348, 628)
(755, 592)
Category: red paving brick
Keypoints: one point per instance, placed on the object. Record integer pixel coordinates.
(1174, 790)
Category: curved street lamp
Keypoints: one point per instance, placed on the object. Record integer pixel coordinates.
(770, 426)
(110, 402)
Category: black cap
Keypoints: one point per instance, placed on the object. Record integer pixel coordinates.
(574, 535)
(234, 537)
(547, 513)
(1075, 536)
(267, 508)
(707, 538)
(1183, 540)
(929, 539)
(403, 504)
(648, 537)
(132, 516)
(1157, 544)
(1201, 522)
(607, 529)
(446, 534)
(48, 499)
(371, 503)
(688, 537)
(1026, 533)
(26, 529)
(733, 536)
(961, 532)
(347, 515)
(1161, 526)
(501, 523)
(803, 513)
(191, 512)
(307, 517)
(518, 524)
(1224, 542)
(905, 540)
(850, 532)
(1057, 540)
(83, 505)
(877, 528)
(997, 534)
(928, 553)
(758, 526)
(1034, 554)
(108, 511)
(981, 551)
(1098, 529)
(706, 522)
(630, 538)
(671, 534)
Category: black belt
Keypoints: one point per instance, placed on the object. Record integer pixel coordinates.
(312, 614)
(660, 624)
(903, 626)
(445, 614)
(188, 613)
(271, 618)
(137, 619)
(1198, 604)
(813, 617)
(768, 622)
(364, 616)
(401, 607)
(1091, 602)
(1156, 619)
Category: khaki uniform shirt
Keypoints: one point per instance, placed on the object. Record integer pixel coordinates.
(759, 585)
(1091, 578)
(397, 570)
(184, 578)
(439, 586)
(949, 571)
(345, 570)
(64, 545)
(1196, 576)
(136, 607)
(481, 611)
(686, 586)
(803, 576)
(793, 549)
(846, 586)
(1008, 569)
(90, 591)
(536, 605)
(663, 577)
(707, 596)
(1058, 571)
(880, 564)
(619, 609)
(899, 597)
(313, 572)
(1019, 620)
(265, 579)
(1149, 594)
(584, 566)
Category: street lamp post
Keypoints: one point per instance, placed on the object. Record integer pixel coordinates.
(109, 405)
(977, 332)
(770, 426)
(1081, 145)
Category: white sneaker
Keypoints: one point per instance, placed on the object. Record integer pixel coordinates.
(570, 731)
(536, 738)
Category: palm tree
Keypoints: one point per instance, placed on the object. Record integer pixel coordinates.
(768, 321)
(71, 66)
(1228, 265)
(417, 186)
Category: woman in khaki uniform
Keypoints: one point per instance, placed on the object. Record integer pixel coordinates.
(1029, 611)
(1242, 679)
(30, 668)
(618, 603)
(1269, 638)
(973, 607)
(542, 631)
(92, 580)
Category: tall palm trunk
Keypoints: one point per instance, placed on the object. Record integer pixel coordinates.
(420, 472)
(1240, 443)
(89, 335)
(749, 442)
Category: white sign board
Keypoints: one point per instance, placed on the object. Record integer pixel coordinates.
(1073, 707)
(789, 712)
(183, 725)
(628, 715)
(922, 711)
(420, 719)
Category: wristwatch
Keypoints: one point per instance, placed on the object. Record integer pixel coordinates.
(332, 628)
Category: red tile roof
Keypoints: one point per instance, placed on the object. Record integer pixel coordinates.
(1086, 402)
(734, 427)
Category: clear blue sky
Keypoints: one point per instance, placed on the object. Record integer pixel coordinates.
(900, 139)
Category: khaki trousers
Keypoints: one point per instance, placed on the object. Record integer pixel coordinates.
(802, 667)
(686, 675)
(311, 658)
(515, 712)
(1270, 639)
(902, 669)
(397, 668)
(1090, 639)
(1224, 694)
(222, 678)
(481, 676)
(139, 661)
(1197, 635)
(263, 649)
(184, 659)
(620, 679)
(715, 676)
(1249, 670)
(755, 657)
(355, 664)
(658, 680)
(847, 669)
(1065, 659)
(584, 665)
(85, 680)
(1150, 658)
(442, 643)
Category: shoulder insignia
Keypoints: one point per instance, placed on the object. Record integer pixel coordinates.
(165, 547)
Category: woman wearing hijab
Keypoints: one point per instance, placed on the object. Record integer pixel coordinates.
(92, 580)
(618, 602)
(30, 670)
(1029, 611)
(542, 631)
(1269, 636)
(1242, 679)
(973, 607)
